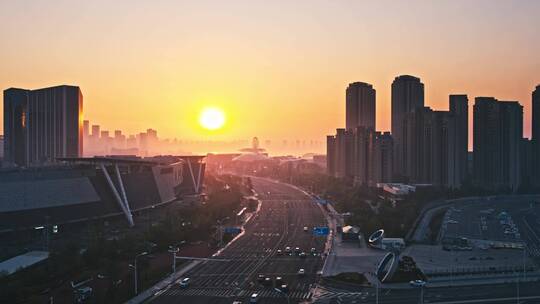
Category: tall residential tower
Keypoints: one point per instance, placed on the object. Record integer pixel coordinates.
(360, 106)
(498, 132)
(407, 95)
(42, 125)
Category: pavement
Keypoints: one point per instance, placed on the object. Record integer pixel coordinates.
(284, 212)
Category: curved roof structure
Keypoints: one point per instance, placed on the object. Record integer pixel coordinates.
(250, 157)
(376, 237)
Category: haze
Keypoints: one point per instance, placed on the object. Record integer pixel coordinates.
(276, 68)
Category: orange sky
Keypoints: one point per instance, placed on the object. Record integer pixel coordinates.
(278, 69)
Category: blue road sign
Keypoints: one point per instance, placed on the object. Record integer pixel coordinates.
(232, 230)
(321, 231)
(320, 200)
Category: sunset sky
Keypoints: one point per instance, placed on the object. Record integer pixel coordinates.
(278, 69)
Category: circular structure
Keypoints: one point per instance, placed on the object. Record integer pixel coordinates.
(387, 266)
(376, 238)
(212, 118)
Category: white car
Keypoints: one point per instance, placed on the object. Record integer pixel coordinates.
(254, 298)
(417, 283)
(301, 271)
(184, 283)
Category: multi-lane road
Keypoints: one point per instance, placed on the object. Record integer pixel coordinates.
(279, 223)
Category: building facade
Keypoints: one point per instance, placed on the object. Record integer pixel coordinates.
(407, 95)
(497, 138)
(360, 106)
(42, 125)
(459, 108)
(535, 140)
(381, 170)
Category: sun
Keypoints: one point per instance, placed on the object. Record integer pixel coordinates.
(212, 118)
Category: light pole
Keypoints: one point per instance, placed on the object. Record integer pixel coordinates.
(134, 267)
(283, 293)
(377, 292)
(420, 284)
(220, 227)
(174, 251)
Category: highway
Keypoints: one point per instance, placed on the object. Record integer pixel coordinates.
(279, 223)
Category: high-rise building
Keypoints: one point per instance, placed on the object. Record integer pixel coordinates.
(86, 129)
(535, 140)
(431, 151)
(407, 95)
(331, 155)
(42, 125)
(459, 108)
(1, 149)
(362, 155)
(95, 131)
(360, 106)
(381, 164)
(497, 138)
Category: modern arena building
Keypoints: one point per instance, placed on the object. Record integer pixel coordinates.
(82, 189)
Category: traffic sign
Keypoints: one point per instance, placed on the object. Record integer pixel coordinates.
(232, 230)
(321, 231)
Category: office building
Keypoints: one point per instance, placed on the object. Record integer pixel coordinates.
(360, 106)
(407, 95)
(42, 125)
(497, 138)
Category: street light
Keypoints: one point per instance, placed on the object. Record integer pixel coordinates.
(220, 227)
(134, 267)
(420, 284)
(283, 293)
(174, 251)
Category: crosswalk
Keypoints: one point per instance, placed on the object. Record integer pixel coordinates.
(326, 294)
(228, 293)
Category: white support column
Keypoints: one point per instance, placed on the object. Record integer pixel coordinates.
(122, 189)
(128, 215)
(199, 178)
(192, 176)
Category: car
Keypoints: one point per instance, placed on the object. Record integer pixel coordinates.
(297, 250)
(284, 288)
(313, 250)
(279, 252)
(267, 281)
(261, 277)
(254, 298)
(302, 255)
(237, 302)
(417, 283)
(184, 283)
(279, 281)
(306, 229)
(288, 249)
(301, 271)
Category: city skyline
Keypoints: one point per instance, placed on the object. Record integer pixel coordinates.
(249, 77)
